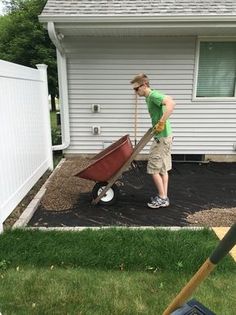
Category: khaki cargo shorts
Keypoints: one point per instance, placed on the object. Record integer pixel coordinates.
(159, 160)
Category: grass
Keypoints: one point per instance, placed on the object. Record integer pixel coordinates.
(57, 158)
(53, 117)
(57, 155)
(108, 271)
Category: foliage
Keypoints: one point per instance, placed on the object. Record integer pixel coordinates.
(23, 39)
(56, 136)
(4, 265)
(12, 5)
(55, 129)
(53, 119)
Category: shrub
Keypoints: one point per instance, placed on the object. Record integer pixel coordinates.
(56, 136)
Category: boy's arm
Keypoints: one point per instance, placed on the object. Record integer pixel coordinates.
(170, 105)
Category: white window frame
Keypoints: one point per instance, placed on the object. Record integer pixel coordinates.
(195, 81)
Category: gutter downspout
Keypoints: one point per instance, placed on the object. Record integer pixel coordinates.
(63, 87)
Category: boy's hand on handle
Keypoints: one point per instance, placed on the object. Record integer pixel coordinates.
(160, 126)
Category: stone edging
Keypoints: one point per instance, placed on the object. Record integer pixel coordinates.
(33, 205)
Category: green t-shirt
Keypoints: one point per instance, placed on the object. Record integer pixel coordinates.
(156, 110)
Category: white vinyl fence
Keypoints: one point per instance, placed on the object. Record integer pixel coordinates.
(25, 136)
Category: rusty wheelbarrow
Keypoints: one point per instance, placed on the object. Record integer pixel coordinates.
(108, 165)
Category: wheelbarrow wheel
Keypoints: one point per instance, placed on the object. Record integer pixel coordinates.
(111, 195)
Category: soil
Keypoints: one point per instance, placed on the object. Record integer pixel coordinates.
(201, 194)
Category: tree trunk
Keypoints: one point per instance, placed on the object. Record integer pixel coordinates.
(53, 103)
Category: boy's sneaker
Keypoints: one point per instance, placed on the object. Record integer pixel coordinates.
(156, 198)
(158, 202)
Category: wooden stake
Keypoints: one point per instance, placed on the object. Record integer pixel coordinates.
(135, 118)
(190, 287)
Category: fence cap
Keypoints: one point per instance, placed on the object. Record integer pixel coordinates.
(41, 66)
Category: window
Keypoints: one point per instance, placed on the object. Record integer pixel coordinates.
(216, 69)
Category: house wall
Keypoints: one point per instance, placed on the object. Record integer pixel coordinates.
(99, 72)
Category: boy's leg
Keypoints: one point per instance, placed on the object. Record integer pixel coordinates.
(165, 180)
(159, 164)
(159, 183)
(154, 167)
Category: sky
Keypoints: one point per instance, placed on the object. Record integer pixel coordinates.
(1, 7)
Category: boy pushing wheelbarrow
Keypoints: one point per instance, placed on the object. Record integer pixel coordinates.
(160, 108)
(108, 165)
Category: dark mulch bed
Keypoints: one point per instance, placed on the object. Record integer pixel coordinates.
(200, 194)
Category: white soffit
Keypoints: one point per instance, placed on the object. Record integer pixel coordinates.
(141, 26)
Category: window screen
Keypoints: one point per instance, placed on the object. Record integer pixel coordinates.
(217, 69)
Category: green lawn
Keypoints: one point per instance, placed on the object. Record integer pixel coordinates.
(56, 139)
(53, 117)
(109, 271)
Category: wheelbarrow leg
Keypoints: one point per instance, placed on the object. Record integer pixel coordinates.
(143, 141)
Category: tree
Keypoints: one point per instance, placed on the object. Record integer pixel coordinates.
(12, 5)
(23, 39)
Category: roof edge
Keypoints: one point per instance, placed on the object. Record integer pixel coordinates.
(135, 19)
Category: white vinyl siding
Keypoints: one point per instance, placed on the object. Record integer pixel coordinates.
(100, 70)
(217, 69)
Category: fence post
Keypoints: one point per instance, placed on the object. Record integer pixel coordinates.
(1, 227)
(43, 74)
